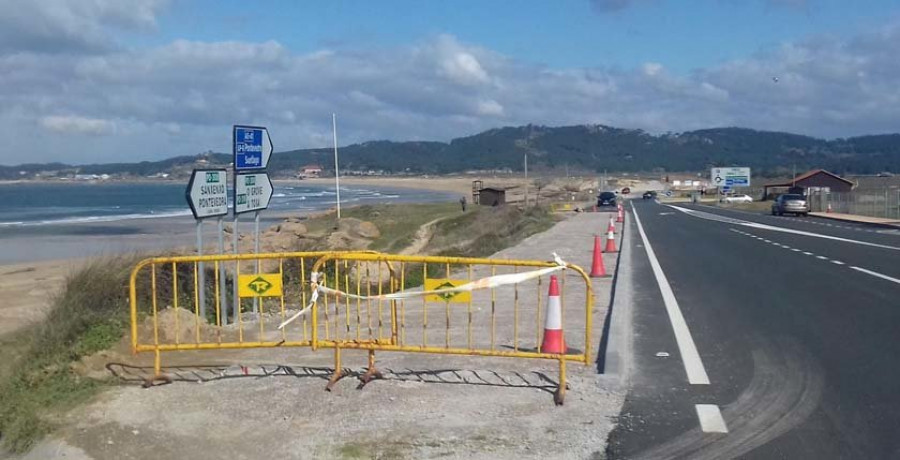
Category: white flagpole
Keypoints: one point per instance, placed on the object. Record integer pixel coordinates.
(337, 180)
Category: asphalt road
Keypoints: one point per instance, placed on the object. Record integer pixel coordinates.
(795, 324)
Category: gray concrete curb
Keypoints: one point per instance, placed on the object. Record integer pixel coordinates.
(614, 358)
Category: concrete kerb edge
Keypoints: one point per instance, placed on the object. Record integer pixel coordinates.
(613, 356)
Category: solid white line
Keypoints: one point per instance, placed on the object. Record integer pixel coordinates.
(711, 420)
(876, 274)
(693, 366)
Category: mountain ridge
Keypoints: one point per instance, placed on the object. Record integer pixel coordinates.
(588, 148)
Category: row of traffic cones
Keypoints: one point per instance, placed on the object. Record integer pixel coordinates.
(554, 342)
(597, 268)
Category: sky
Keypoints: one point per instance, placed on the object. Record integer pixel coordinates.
(130, 80)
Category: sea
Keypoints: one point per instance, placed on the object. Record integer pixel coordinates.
(43, 204)
(53, 221)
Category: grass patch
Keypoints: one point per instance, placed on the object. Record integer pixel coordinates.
(88, 315)
(399, 223)
(488, 230)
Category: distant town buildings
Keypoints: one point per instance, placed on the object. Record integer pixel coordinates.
(310, 171)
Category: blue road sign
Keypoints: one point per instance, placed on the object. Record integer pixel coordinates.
(252, 148)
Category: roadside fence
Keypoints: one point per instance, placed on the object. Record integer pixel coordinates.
(884, 203)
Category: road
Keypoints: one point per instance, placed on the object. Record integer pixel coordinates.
(794, 324)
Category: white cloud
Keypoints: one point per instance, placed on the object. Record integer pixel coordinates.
(78, 125)
(183, 97)
(490, 107)
(63, 26)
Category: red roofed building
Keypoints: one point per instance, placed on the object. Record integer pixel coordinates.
(817, 178)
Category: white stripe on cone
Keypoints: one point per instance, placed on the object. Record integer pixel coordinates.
(553, 334)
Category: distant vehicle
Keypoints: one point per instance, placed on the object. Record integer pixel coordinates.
(626, 191)
(737, 199)
(606, 199)
(649, 195)
(790, 203)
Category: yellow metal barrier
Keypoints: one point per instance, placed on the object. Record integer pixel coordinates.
(557, 207)
(167, 315)
(503, 321)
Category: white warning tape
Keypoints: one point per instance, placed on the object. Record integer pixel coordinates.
(483, 283)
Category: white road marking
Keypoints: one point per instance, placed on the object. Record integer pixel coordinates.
(693, 366)
(821, 257)
(837, 262)
(876, 274)
(711, 420)
(730, 220)
(808, 253)
(795, 250)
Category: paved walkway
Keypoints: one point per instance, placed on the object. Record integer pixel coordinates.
(856, 218)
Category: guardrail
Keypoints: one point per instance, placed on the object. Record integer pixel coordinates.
(360, 301)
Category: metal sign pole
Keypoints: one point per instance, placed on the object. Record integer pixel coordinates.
(222, 296)
(202, 275)
(256, 251)
(236, 309)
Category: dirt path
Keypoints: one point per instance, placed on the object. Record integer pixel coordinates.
(422, 237)
(427, 406)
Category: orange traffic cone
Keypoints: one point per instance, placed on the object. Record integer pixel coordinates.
(612, 225)
(553, 333)
(829, 208)
(621, 214)
(597, 268)
(610, 242)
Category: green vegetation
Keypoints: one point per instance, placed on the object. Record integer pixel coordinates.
(88, 315)
(587, 148)
(398, 224)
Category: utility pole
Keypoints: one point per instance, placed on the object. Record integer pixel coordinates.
(526, 178)
(337, 175)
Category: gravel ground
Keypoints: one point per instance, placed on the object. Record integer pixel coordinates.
(270, 402)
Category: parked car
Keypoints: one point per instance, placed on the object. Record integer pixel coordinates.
(649, 195)
(737, 199)
(626, 191)
(790, 203)
(606, 199)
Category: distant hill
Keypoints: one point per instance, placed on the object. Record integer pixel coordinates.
(584, 148)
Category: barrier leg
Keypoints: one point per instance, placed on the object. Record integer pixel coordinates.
(560, 395)
(338, 369)
(158, 376)
(371, 372)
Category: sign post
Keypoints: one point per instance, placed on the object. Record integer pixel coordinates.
(207, 195)
(253, 189)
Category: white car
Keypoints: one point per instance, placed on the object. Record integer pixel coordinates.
(738, 199)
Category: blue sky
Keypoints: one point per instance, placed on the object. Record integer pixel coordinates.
(566, 33)
(114, 80)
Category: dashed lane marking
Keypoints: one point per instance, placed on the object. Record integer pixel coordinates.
(711, 420)
(823, 258)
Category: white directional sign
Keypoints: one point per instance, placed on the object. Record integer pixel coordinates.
(252, 148)
(252, 192)
(730, 177)
(207, 193)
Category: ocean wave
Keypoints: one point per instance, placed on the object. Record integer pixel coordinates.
(92, 219)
